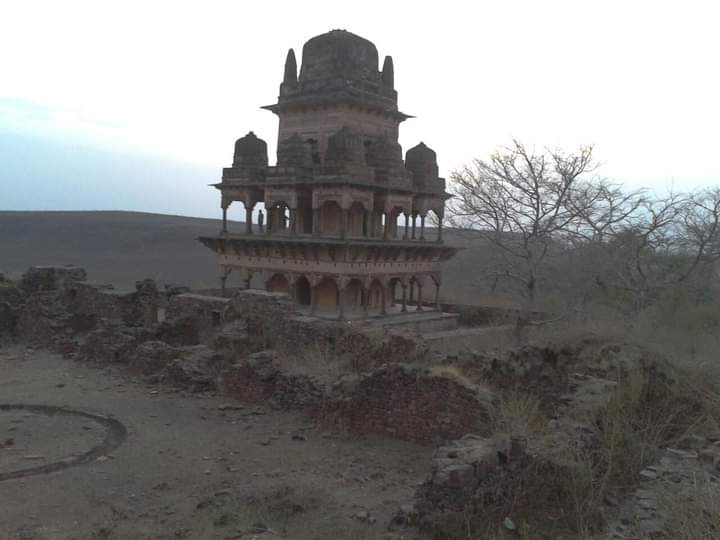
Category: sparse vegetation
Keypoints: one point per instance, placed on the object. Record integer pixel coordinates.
(693, 513)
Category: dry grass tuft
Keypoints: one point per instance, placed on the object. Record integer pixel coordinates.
(694, 513)
(516, 413)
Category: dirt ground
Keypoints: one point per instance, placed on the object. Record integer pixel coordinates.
(190, 466)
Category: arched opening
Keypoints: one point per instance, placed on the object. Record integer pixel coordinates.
(326, 294)
(393, 221)
(395, 287)
(433, 226)
(376, 296)
(279, 217)
(418, 294)
(278, 283)
(356, 219)
(249, 207)
(354, 296)
(330, 218)
(302, 291)
(377, 222)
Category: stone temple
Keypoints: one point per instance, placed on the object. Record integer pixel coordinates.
(343, 230)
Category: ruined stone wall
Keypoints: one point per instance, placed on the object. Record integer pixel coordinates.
(407, 403)
(50, 278)
(207, 342)
(272, 321)
(59, 307)
(97, 301)
(11, 301)
(470, 315)
(259, 379)
(193, 318)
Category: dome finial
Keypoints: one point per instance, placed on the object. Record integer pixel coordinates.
(290, 67)
(388, 73)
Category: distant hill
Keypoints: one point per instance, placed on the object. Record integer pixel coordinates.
(123, 247)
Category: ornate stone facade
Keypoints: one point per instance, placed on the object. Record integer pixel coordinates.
(345, 229)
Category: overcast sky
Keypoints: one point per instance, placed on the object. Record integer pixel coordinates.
(177, 82)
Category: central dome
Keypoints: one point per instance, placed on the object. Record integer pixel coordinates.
(338, 68)
(339, 53)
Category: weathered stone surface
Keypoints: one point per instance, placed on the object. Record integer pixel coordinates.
(112, 342)
(151, 357)
(192, 368)
(259, 379)
(408, 403)
(11, 302)
(191, 319)
(50, 278)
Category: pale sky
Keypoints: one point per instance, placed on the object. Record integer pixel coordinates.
(180, 81)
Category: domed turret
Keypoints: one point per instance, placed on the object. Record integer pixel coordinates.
(250, 152)
(294, 152)
(386, 156)
(421, 161)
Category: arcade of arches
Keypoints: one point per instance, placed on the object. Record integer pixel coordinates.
(345, 297)
(332, 220)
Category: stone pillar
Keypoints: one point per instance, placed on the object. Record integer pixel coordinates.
(293, 221)
(284, 221)
(422, 227)
(248, 215)
(341, 304)
(224, 218)
(383, 302)
(386, 227)
(366, 223)
(316, 222)
(269, 217)
(414, 219)
(343, 222)
(412, 292)
(404, 299)
(313, 299)
(407, 225)
(419, 297)
(365, 299)
(437, 296)
(223, 280)
(371, 230)
(440, 227)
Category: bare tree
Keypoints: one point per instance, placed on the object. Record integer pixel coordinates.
(528, 205)
(665, 242)
(547, 212)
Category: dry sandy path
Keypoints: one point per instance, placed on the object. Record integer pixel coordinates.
(189, 468)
